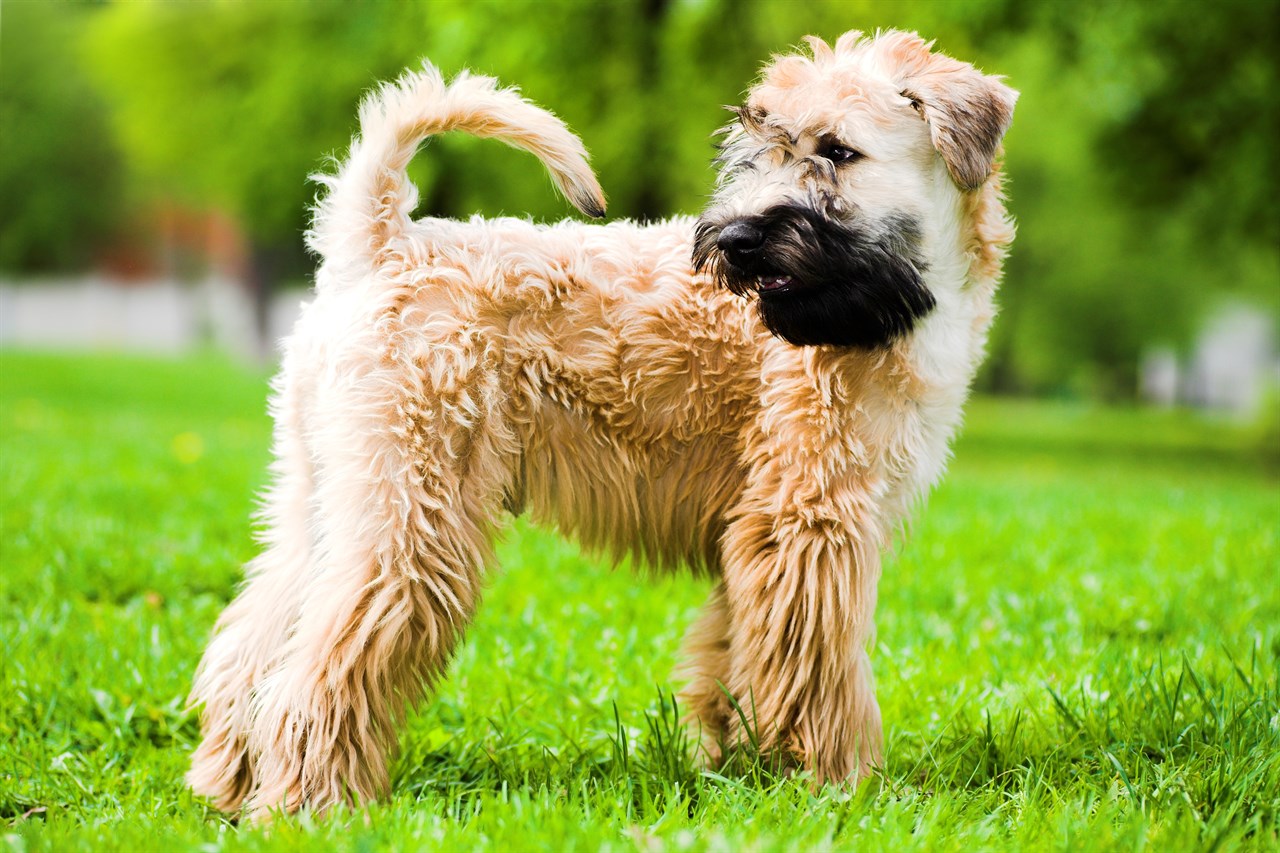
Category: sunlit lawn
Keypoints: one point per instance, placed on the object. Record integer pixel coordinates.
(1078, 645)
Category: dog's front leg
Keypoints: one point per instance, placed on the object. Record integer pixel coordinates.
(800, 588)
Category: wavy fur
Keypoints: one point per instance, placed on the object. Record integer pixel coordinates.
(449, 372)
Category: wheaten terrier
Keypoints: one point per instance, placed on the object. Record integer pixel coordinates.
(759, 395)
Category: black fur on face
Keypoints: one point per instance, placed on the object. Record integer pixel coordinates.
(819, 280)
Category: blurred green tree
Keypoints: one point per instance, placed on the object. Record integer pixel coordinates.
(61, 178)
(1144, 166)
(229, 106)
(1197, 120)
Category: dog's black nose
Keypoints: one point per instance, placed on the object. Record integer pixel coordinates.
(740, 238)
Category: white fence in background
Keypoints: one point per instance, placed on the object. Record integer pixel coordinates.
(1234, 365)
(162, 316)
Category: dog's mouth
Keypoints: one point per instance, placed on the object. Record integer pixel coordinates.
(765, 282)
(773, 284)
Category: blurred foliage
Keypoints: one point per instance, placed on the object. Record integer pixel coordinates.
(1141, 163)
(61, 187)
(1144, 177)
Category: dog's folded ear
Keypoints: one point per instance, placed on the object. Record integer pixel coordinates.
(968, 112)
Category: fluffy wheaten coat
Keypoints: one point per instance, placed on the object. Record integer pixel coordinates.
(759, 395)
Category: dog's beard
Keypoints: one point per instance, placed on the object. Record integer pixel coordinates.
(821, 281)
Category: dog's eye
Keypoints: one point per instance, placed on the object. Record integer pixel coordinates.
(837, 153)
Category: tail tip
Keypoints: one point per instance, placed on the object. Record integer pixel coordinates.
(590, 204)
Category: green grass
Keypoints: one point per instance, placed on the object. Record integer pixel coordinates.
(1078, 647)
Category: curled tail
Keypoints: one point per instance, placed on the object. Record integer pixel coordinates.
(370, 198)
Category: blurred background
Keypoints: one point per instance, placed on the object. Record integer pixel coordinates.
(154, 161)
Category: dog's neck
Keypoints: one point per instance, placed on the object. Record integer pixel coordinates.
(970, 237)
(921, 381)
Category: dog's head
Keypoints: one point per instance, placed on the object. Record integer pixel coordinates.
(842, 172)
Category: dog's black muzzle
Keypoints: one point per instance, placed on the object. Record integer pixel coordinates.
(820, 280)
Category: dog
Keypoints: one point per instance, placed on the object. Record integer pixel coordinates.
(759, 394)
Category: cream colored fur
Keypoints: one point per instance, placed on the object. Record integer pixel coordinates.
(449, 372)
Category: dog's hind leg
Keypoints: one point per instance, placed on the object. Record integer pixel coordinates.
(411, 465)
(253, 628)
(704, 667)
